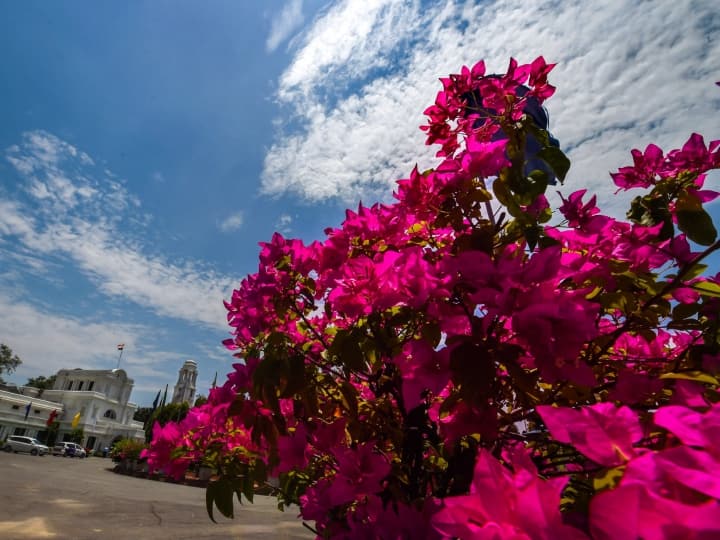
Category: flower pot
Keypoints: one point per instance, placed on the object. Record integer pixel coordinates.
(204, 473)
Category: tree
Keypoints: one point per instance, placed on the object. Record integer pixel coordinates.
(41, 382)
(200, 400)
(77, 435)
(172, 412)
(8, 361)
(143, 414)
(458, 364)
(52, 433)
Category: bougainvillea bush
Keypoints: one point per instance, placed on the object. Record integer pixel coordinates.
(469, 363)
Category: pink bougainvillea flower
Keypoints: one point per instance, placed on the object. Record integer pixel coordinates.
(291, 450)
(694, 156)
(691, 427)
(582, 215)
(631, 512)
(602, 432)
(422, 369)
(360, 471)
(316, 502)
(632, 387)
(241, 376)
(327, 436)
(505, 505)
(647, 165)
(394, 521)
(466, 420)
(165, 440)
(483, 158)
(689, 394)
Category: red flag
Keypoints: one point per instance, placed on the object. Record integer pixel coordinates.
(52, 417)
(121, 347)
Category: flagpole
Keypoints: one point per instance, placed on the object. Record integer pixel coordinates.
(119, 357)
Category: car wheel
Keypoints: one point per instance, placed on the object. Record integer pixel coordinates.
(8, 449)
(34, 452)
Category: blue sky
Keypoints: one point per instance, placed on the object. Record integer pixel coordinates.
(147, 147)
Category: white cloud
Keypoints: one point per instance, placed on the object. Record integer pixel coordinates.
(284, 223)
(232, 223)
(628, 73)
(79, 222)
(282, 26)
(47, 342)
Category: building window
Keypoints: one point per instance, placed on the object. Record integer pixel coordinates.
(110, 414)
(19, 431)
(16, 407)
(80, 385)
(90, 386)
(68, 386)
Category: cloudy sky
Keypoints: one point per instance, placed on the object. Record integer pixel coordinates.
(147, 147)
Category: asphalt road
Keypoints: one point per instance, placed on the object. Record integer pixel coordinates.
(66, 498)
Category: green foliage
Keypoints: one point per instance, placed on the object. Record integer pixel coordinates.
(77, 435)
(237, 479)
(143, 414)
(127, 449)
(41, 382)
(172, 412)
(52, 433)
(8, 361)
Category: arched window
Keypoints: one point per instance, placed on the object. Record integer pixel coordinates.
(110, 414)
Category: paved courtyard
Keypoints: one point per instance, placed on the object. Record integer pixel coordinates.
(64, 498)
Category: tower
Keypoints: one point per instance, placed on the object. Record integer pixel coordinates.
(185, 387)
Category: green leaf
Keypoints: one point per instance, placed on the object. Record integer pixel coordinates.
(707, 288)
(557, 160)
(248, 488)
(698, 226)
(224, 497)
(694, 221)
(346, 348)
(538, 183)
(349, 397)
(683, 311)
(209, 499)
(609, 479)
(540, 134)
(431, 333)
(685, 324)
(695, 271)
(697, 376)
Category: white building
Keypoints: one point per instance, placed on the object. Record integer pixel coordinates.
(13, 407)
(185, 388)
(101, 397)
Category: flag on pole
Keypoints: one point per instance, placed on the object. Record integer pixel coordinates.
(75, 420)
(121, 346)
(27, 409)
(52, 417)
(164, 399)
(156, 401)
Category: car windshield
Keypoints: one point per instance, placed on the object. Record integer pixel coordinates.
(35, 441)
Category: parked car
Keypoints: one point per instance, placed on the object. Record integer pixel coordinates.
(70, 449)
(20, 443)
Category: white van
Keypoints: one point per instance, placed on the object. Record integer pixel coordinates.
(19, 443)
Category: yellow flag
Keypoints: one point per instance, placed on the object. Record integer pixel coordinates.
(75, 420)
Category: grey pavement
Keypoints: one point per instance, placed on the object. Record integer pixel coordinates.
(66, 498)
